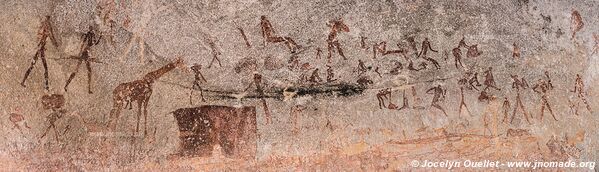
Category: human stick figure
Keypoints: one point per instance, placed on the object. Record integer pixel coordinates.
(44, 32)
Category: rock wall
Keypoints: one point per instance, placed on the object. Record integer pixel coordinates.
(350, 85)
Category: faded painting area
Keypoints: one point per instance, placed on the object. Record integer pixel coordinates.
(282, 85)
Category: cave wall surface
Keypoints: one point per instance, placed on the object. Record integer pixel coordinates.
(287, 85)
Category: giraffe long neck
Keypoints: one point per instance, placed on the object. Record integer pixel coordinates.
(152, 76)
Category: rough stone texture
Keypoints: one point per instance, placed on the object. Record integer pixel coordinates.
(310, 131)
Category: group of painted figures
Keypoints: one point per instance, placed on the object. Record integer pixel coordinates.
(140, 91)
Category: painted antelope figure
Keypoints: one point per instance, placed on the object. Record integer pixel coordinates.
(139, 91)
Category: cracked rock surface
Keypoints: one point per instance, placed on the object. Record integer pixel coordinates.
(296, 96)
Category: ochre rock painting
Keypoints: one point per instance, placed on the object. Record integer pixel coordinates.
(395, 85)
(233, 129)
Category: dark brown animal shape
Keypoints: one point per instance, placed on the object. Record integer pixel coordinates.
(203, 127)
(517, 132)
(139, 91)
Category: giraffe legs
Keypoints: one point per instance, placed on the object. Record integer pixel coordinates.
(139, 104)
(145, 103)
(191, 97)
(89, 77)
(114, 113)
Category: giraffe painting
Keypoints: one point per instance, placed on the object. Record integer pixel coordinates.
(138, 91)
